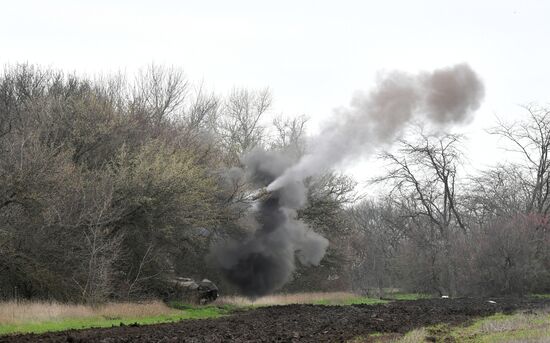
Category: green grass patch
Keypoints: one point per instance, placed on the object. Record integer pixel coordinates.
(408, 296)
(500, 327)
(541, 296)
(227, 308)
(518, 327)
(359, 300)
(103, 322)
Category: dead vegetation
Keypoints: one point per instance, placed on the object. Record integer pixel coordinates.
(285, 299)
(12, 312)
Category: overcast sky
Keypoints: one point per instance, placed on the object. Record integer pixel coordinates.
(312, 54)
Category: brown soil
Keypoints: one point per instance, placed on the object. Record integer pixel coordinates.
(299, 323)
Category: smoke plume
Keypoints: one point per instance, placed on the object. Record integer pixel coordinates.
(443, 97)
(265, 261)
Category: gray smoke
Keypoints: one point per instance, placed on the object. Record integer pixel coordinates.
(443, 97)
(265, 261)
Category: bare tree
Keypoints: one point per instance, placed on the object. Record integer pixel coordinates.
(496, 193)
(240, 127)
(100, 257)
(423, 175)
(161, 92)
(203, 110)
(428, 170)
(290, 135)
(530, 138)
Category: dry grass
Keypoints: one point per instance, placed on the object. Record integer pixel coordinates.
(521, 327)
(25, 312)
(284, 299)
(415, 336)
(516, 328)
(516, 322)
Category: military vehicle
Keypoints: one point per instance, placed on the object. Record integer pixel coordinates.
(188, 291)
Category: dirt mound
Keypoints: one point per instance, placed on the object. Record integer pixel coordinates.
(299, 323)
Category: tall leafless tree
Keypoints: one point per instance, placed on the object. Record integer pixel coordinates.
(423, 176)
(530, 138)
(241, 128)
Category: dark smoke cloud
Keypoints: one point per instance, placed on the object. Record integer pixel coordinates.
(264, 262)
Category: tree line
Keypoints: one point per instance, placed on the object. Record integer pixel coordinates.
(110, 186)
(441, 231)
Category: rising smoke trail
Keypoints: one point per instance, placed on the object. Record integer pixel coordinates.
(265, 261)
(443, 97)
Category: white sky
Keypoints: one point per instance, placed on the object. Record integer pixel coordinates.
(312, 54)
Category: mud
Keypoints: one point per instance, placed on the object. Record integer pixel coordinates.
(299, 323)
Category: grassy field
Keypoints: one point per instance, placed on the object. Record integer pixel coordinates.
(37, 317)
(40, 317)
(317, 298)
(516, 328)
